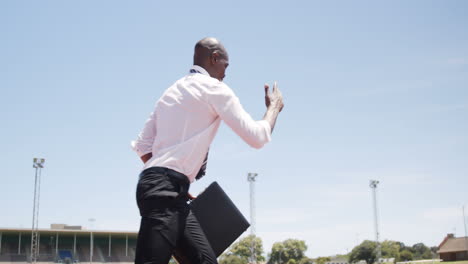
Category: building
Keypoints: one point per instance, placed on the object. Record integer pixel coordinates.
(62, 243)
(453, 248)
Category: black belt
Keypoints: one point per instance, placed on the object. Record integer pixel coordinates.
(168, 172)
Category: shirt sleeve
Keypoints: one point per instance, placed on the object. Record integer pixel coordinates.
(144, 142)
(228, 107)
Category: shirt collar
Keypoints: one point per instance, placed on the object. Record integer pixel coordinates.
(200, 69)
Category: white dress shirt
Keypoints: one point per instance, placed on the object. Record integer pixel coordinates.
(186, 118)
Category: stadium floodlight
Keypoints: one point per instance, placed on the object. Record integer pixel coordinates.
(373, 184)
(38, 164)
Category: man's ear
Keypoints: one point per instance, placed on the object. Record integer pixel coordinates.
(214, 57)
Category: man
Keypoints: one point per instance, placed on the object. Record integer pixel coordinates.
(174, 146)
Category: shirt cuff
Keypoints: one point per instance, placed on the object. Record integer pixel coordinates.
(140, 152)
(266, 125)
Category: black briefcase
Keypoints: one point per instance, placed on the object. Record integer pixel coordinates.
(219, 218)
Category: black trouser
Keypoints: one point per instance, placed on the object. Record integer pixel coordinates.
(168, 226)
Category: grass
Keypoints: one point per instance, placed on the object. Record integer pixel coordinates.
(429, 261)
(448, 262)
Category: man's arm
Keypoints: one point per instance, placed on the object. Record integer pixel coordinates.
(144, 143)
(274, 104)
(227, 105)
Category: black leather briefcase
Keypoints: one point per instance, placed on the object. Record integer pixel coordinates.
(219, 217)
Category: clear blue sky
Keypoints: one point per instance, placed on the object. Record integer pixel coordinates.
(373, 90)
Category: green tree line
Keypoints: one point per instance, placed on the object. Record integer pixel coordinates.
(292, 251)
(367, 251)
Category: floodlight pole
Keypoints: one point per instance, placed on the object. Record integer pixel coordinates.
(38, 164)
(464, 224)
(373, 184)
(91, 240)
(251, 177)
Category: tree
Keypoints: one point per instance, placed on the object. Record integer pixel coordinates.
(406, 255)
(243, 249)
(231, 259)
(306, 260)
(283, 252)
(390, 249)
(322, 260)
(276, 255)
(365, 251)
(421, 251)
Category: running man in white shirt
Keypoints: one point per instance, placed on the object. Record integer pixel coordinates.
(174, 146)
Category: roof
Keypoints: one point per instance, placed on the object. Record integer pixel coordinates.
(454, 244)
(69, 231)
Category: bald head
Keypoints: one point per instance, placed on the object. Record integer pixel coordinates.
(206, 47)
(212, 56)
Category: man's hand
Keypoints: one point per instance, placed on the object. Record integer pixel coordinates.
(191, 197)
(274, 104)
(146, 157)
(273, 99)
